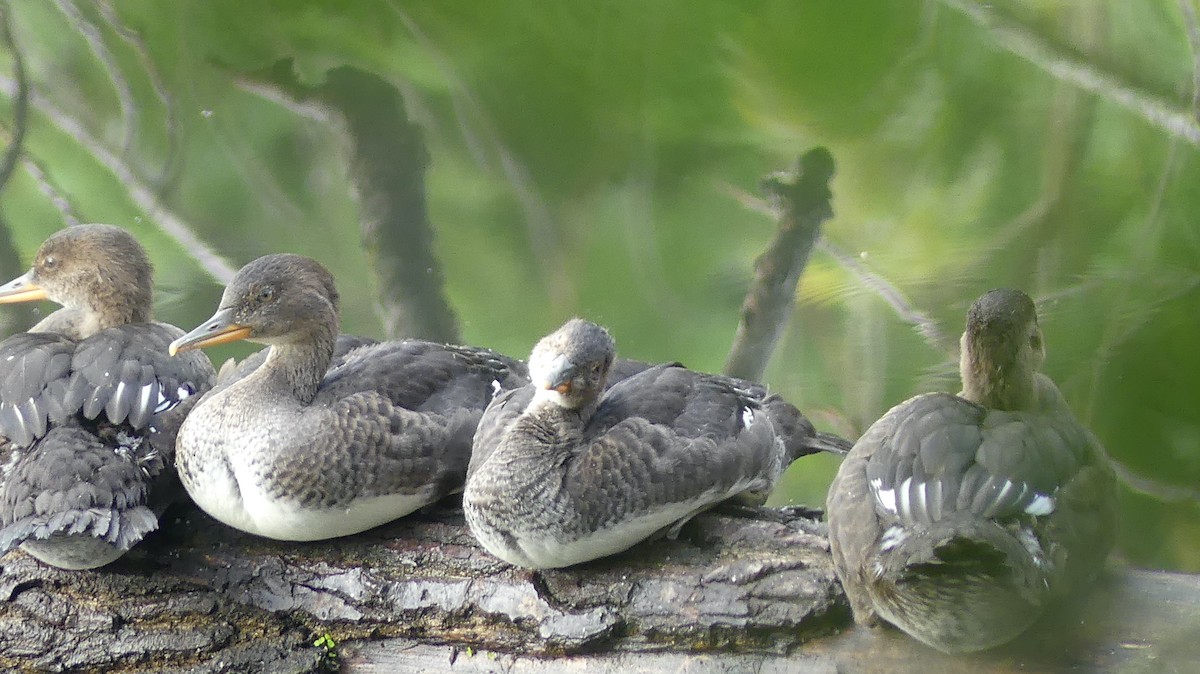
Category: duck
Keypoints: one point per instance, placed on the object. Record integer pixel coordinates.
(566, 470)
(960, 518)
(89, 401)
(301, 447)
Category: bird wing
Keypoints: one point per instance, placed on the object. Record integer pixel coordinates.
(499, 415)
(35, 369)
(669, 435)
(424, 376)
(690, 402)
(126, 373)
(939, 454)
(637, 467)
(365, 445)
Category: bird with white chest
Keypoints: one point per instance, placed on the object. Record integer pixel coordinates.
(564, 471)
(305, 446)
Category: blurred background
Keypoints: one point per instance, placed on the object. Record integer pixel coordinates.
(602, 159)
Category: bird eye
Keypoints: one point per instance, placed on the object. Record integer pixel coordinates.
(49, 262)
(596, 368)
(266, 293)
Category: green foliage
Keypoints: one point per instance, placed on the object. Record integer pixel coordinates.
(584, 158)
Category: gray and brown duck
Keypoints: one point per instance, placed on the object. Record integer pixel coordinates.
(305, 447)
(565, 471)
(89, 402)
(959, 518)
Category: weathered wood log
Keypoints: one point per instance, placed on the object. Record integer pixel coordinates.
(201, 596)
(748, 590)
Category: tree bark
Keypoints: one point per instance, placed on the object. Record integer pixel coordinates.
(802, 198)
(202, 597)
(740, 590)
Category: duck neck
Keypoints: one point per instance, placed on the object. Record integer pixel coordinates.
(997, 381)
(296, 368)
(547, 422)
(113, 304)
(81, 323)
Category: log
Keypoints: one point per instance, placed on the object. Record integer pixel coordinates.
(739, 590)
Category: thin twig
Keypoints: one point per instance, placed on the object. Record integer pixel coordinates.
(803, 198)
(1193, 35)
(544, 237)
(173, 162)
(1166, 493)
(311, 109)
(12, 153)
(924, 324)
(140, 192)
(95, 41)
(1020, 41)
(50, 191)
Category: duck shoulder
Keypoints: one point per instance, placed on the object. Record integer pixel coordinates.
(423, 376)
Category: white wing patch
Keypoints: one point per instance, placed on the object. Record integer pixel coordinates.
(903, 505)
(1041, 505)
(885, 497)
(144, 397)
(747, 417)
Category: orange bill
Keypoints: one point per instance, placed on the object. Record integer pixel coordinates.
(219, 329)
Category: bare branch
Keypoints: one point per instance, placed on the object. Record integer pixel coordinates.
(95, 41)
(388, 158)
(1019, 41)
(755, 583)
(754, 592)
(924, 324)
(10, 260)
(142, 194)
(803, 199)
